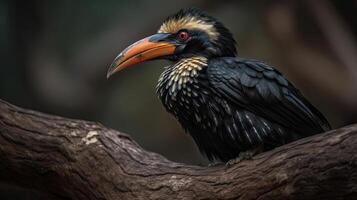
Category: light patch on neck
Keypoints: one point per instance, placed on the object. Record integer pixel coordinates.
(186, 69)
(189, 23)
(181, 73)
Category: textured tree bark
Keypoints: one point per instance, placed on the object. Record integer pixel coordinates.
(75, 159)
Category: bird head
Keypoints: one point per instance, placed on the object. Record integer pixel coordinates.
(189, 32)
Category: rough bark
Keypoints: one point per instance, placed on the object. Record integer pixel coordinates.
(75, 159)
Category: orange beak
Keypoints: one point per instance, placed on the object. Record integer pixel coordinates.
(146, 49)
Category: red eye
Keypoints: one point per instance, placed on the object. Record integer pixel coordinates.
(183, 36)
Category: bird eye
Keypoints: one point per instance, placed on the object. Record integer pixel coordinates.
(183, 36)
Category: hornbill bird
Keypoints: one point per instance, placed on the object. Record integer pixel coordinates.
(229, 105)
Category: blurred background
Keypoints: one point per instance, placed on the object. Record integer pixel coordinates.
(55, 54)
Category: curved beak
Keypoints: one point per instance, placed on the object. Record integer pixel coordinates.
(148, 48)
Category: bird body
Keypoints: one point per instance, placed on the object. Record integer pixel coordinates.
(230, 105)
(227, 104)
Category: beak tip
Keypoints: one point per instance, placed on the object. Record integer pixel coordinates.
(109, 73)
(111, 70)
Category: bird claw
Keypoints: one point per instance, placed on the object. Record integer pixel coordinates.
(246, 155)
(233, 161)
(215, 164)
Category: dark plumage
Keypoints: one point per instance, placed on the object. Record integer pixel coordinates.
(235, 105)
(228, 104)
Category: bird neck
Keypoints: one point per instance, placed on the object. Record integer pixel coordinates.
(181, 73)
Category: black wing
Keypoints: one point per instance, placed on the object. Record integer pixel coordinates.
(262, 90)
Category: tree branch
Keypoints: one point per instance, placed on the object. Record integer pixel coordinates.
(74, 159)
